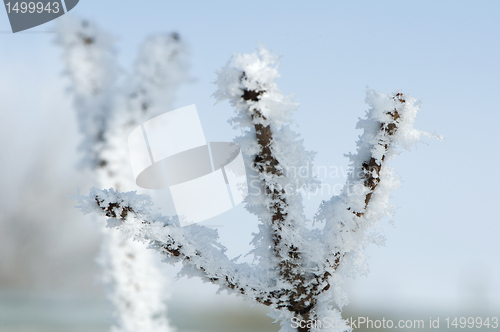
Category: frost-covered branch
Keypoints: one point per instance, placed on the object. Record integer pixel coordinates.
(299, 269)
(196, 246)
(160, 69)
(365, 197)
(91, 64)
(276, 157)
(107, 112)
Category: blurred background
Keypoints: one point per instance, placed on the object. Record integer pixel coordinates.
(442, 257)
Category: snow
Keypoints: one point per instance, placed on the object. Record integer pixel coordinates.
(280, 172)
(108, 107)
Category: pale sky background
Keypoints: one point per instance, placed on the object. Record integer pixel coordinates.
(444, 251)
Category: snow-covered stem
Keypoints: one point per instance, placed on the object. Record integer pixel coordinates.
(299, 269)
(91, 64)
(364, 200)
(363, 179)
(160, 68)
(135, 285)
(196, 246)
(107, 112)
(249, 84)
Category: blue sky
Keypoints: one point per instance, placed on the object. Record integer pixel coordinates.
(445, 53)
